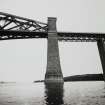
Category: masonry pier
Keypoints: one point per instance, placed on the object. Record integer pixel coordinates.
(101, 48)
(53, 71)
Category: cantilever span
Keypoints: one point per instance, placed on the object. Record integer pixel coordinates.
(15, 27)
(13, 22)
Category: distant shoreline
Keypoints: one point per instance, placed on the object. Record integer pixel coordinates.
(3, 82)
(85, 77)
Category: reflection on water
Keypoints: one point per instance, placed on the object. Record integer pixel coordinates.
(69, 93)
(54, 93)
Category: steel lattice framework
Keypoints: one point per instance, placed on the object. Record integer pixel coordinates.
(15, 27)
(12, 22)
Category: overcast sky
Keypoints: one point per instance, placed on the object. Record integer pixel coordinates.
(25, 60)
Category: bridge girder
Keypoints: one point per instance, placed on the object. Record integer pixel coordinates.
(62, 36)
(12, 22)
(7, 35)
(80, 37)
(15, 27)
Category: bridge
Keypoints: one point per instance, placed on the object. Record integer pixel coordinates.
(15, 27)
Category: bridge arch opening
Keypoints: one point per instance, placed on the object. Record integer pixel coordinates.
(23, 60)
(79, 58)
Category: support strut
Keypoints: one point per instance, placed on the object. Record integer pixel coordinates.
(101, 48)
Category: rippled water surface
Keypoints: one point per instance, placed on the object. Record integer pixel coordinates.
(69, 93)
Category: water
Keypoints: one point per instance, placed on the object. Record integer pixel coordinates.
(71, 93)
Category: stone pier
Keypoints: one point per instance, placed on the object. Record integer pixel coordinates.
(101, 48)
(53, 71)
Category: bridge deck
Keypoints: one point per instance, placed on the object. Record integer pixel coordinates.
(62, 36)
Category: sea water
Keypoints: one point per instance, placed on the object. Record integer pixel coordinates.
(69, 93)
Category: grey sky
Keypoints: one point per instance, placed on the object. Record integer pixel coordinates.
(26, 59)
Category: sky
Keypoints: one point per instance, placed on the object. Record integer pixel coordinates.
(25, 60)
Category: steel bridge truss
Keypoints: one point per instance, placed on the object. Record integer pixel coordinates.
(12, 22)
(15, 27)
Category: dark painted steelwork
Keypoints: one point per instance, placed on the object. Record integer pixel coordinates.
(101, 48)
(77, 37)
(6, 34)
(12, 22)
(15, 27)
(81, 37)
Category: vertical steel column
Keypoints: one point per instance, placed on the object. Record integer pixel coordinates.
(53, 71)
(101, 48)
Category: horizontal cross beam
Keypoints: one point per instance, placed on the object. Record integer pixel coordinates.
(62, 36)
(81, 37)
